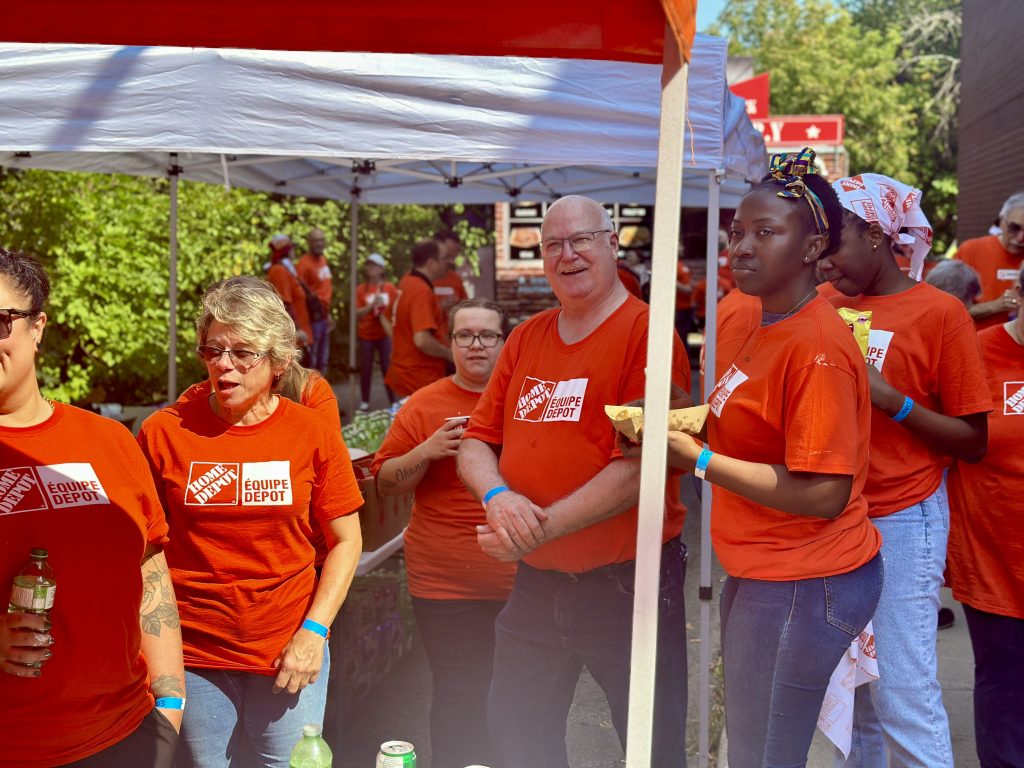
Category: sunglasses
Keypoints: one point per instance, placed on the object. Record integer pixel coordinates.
(7, 318)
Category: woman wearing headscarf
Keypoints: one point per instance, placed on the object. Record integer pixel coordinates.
(986, 550)
(787, 449)
(97, 680)
(929, 402)
(239, 489)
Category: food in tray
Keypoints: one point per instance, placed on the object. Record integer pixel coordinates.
(629, 420)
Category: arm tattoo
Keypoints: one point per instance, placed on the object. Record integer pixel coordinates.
(167, 685)
(158, 605)
(408, 474)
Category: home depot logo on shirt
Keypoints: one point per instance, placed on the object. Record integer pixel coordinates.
(51, 486)
(725, 387)
(878, 347)
(1013, 398)
(541, 400)
(249, 483)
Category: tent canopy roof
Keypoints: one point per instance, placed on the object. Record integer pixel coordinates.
(387, 128)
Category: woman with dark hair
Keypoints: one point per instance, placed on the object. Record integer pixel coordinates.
(239, 489)
(986, 550)
(97, 681)
(929, 402)
(787, 449)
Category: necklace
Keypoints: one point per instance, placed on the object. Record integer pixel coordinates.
(770, 318)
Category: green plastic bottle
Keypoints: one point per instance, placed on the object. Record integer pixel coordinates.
(311, 751)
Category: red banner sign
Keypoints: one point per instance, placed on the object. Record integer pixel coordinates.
(801, 130)
(756, 92)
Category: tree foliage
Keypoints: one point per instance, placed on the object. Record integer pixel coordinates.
(104, 241)
(890, 66)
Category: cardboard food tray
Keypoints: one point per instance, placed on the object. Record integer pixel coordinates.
(629, 420)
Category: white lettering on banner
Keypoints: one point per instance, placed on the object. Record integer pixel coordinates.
(1007, 274)
(725, 387)
(19, 491)
(566, 402)
(266, 484)
(72, 485)
(212, 483)
(1013, 398)
(878, 347)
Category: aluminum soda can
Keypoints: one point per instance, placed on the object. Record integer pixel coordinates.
(396, 754)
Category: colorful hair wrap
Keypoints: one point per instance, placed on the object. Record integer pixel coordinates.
(790, 169)
(895, 207)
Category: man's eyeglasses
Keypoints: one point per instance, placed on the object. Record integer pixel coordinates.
(240, 358)
(581, 242)
(486, 339)
(1013, 229)
(7, 318)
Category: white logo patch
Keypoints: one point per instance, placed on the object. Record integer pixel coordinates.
(878, 347)
(1013, 398)
(1007, 274)
(725, 387)
(541, 400)
(266, 484)
(72, 485)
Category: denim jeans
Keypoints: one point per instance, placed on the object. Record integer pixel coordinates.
(458, 636)
(235, 718)
(998, 643)
(555, 623)
(781, 642)
(899, 719)
(151, 745)
(321, 346)
(367, 349)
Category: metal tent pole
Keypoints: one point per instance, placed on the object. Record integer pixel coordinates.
(353, 249)
(173, 171)
(668, 193)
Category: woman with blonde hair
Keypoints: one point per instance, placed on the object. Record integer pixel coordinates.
(238, 489)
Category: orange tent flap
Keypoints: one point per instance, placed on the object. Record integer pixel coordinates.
(578, 29)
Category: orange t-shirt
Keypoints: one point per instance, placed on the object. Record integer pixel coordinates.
(238, 501)
(369, 326)
(792, 393)
(442, 557)
(629, 279)
(449, 290)
(925, 345)
(287, 286)
(544, 406)
(986, 529)
(416, 309)
(315, 272)
(78, 486)
(683, 300)
(700, 293)
(997, 267)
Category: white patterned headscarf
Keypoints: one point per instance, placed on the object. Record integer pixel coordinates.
(892, 205)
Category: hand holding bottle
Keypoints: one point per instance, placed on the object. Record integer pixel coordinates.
(24, 643)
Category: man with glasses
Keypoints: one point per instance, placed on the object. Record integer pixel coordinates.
(457, 590)
(997, 259)
(540, 454)
(420, 348)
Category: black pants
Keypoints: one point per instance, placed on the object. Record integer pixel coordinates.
(459, 639)
(151, 745)
(998, 643)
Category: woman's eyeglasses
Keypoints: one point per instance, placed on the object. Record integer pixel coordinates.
(7, 318)
(466, 338)
(240, 358)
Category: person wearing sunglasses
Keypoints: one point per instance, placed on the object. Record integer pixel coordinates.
(997, 259)
(240, 473)
(97, 681)
(457, 590)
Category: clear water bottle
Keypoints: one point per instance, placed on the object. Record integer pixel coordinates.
(34, 588)
(311, 751)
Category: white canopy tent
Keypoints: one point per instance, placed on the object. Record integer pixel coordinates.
(385, 128)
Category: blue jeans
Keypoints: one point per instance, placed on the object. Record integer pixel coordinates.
(235, 718)
(321, 346)
(552, 625)
(458, 636)
(367, 349)
(998, 643)
(899, 719)
(781, 642)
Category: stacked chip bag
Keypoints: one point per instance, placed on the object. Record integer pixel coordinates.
(859, 322)
(367, 430)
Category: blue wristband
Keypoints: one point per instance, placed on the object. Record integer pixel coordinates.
(494, 492)
(904, 411)
(316, 627)
(169, 702)
(702, 463)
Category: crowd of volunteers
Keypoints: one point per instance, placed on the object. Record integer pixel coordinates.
(202, 565)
